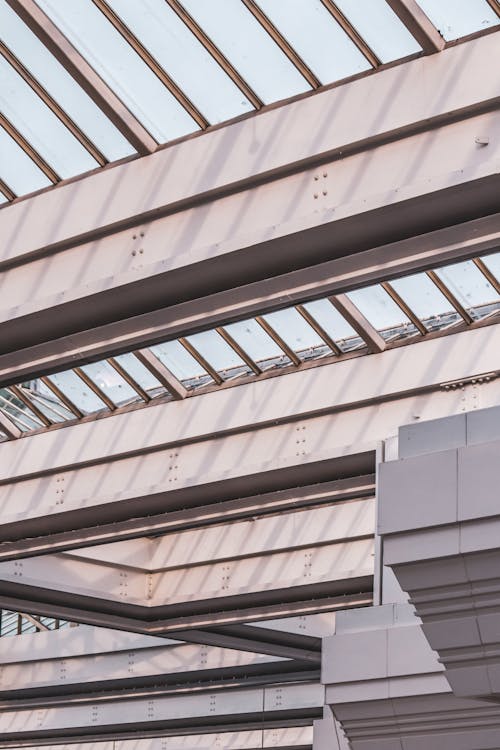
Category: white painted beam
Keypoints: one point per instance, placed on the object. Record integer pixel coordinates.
(69, 294)
(394, 101)
(279, 737)
(205, 582)
(75, 641)
(297, 396)
(162, 662)
(283, 570)
(334, 522)
(119, 716)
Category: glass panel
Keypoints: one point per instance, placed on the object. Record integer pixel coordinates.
(180, 362)
(380, 27)
(471, 288)
(111, 383)
(297, 333)
(141, 374)
(493, 263)
(8, 622)
(184, 58)
(18, 411)
(17, 170)
(317, 37)
(456, 18)
(46, 401)
(77, 391)
(61, 86)
(257, 343)
(217, 352)
(122, 69)
(382, 312)
(426, 301)
(40, 126)
(334, 324)
(249, 47)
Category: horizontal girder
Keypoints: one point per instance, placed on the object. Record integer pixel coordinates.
(178, 427)
(106, 288)
(398, 100)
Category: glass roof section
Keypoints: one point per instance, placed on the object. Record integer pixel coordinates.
(252, 51)
(297, 333)
(180, 66)
(470, 287)
(318, 38)
(175, 356)
(124, 71)
(456, 18)
(18, 170)
(77, 391)
(259, 345)
(381, 28)
(426, 301)
(40, 126)
(398, 311)
(183, 57)
(42, 66)
(382, 312)
(492, 263)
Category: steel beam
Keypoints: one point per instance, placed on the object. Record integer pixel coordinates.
(336, 521)
(423, 92)
(212, 628)
(206, 256)
(226, 707)
(241, 739)
(177, 427)
(425, 251)
(243, 583)
(85, 75)
(167, 664)
(173, 521)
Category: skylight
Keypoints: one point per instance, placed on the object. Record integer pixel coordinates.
(178, 67)
(387, 314)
